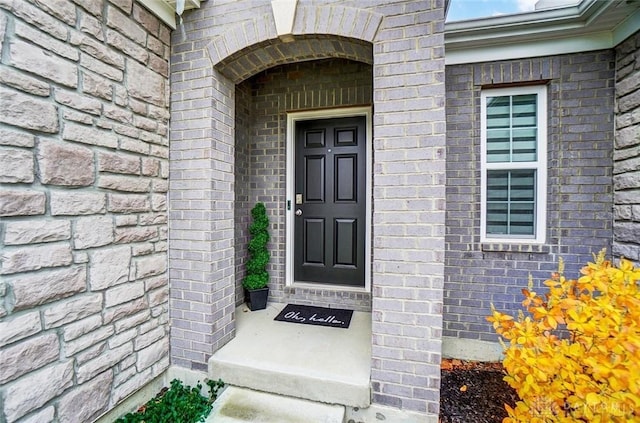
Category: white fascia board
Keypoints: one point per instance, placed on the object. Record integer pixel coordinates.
(539, 33)
(549, 47)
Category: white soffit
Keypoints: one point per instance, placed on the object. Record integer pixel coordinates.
(585, 26)
(166, 9)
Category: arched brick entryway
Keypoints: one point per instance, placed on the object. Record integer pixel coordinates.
(225, 44)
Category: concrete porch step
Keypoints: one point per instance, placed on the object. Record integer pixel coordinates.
(237, 405)
(316, 363)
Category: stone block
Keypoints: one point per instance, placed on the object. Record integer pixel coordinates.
(152, 354)
(90, 353)
(146, 19)
(51, 45)
(3, 29)
(45, 415)
(71, 310)
(127, 26)
(65, 164)
(97, 49)
(150, 167)
(24, 259)
(44, 287)
(109, 267)
(118, 163)
(127, 309)
(158, 202)
(82, 327)
(36, 231)
(40, 19)
(150, 265)
(122, 339)
(131, 385)
(35, 60)
(35, 390)
(61, 9)
(86, 402)
(128, 203)
(124, 183)
(144, 340)
(132, 321)
(80, 102)
(102, 69)
(128, 47)
(97, 86)
(22, 82)
(27, 112)
(16, 138)
(142, 249)
(89, 135)
(118, 114)
(159, 296)
(92, 231)
(27, 356)
(103, 362)
(72, 348)
(146, 85)
(16, 166)
(14, 328)
(92, 26)
(123, 293)
(71, 203)
(135, 234)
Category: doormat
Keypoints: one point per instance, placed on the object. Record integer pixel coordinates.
(320, 316)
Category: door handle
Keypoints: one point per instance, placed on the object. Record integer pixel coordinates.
(299, 212)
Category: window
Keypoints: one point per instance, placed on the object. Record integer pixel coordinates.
(514, 164)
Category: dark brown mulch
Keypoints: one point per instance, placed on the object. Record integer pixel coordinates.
(473, 392)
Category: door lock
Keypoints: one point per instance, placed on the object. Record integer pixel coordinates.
(299, 212)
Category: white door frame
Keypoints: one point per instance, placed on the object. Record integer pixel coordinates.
(292, 118)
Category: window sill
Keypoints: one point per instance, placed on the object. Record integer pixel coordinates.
(515, 248)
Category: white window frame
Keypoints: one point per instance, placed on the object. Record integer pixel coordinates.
(540, 165)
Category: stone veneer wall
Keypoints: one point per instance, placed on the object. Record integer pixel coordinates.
(580, 99)
(626, 166)
(83, 231)
(261, 158)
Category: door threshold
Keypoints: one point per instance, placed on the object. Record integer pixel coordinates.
(328, 287)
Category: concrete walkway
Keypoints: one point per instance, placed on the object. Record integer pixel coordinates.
(324, 364)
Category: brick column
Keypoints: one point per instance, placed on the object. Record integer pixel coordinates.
(201, 205)
(408, 221)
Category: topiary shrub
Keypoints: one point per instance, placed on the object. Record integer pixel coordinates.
(257, 275)
(575, 356)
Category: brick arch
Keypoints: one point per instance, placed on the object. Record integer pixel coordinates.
(317, 32)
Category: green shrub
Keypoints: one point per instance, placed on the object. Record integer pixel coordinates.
(176, 404)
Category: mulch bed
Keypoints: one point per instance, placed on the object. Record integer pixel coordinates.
(473, 392)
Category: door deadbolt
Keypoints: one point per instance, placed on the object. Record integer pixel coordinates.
(298, 212)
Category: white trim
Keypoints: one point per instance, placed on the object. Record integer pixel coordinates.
(540, 165)
(292, 118)
(587, 26)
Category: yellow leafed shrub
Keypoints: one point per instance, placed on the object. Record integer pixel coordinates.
(575, 356)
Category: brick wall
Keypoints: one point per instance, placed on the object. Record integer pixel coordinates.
(262, 168)
(83, 229)
(626, 167)
(240, 39)
(580, 136)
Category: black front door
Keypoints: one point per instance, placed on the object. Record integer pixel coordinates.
(329, 203)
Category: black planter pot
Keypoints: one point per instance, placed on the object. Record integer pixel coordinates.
(256, 299)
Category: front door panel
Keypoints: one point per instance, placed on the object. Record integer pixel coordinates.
(330, 204)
